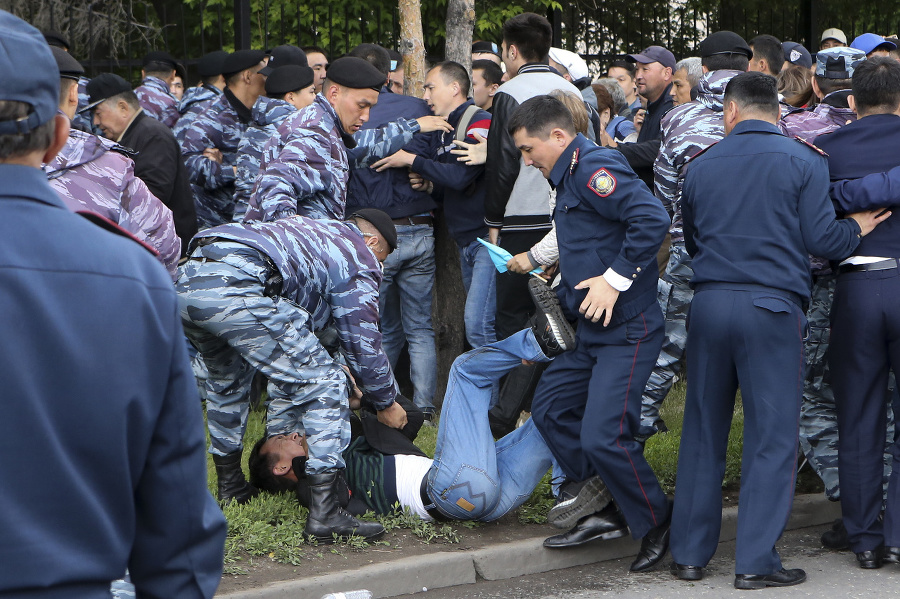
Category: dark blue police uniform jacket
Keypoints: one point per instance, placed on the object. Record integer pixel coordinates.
(102, 437)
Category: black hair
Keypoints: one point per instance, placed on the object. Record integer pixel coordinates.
(261, 467)
(768, 47)
(754, 91)
(827, 85)
(315, 49)
(490, 70)
(734, 61)
(374, 55)
(158, 69)
(876, 85)
(211, 80)
(13, 145)
(540, 114)
(65, 84)
(453, 71)
(624, 64)
(531, 34)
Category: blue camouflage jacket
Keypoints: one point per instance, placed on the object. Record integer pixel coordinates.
(329, 272)
(218, 126)
(197, 96)
(155, 98)
(305, 167)
(267, 113)
(686, 130)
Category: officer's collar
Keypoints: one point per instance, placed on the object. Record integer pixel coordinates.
(568, 160)
(754, 126)
(243, 113)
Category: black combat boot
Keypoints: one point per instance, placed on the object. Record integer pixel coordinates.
(232, 484)
(326, 516)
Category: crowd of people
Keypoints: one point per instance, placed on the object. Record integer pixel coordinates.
(724, 218)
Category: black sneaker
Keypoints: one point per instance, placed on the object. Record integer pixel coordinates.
(551, 329)
(577, 500)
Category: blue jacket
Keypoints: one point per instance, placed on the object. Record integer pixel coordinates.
(859, 149)
(102, 436)
(605, 218)
(755, 205)
(462, 187)
(390, 190)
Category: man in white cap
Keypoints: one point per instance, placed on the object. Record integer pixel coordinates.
(832, 38)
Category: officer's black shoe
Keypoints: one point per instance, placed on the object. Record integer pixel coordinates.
(891, 555)
(782, 578)
(686, 572)
(551, 329)
(327, 518)
(836, 538)
(577, 500)
(606, 524)
(869, 560)
(654, 545)
(232, 486)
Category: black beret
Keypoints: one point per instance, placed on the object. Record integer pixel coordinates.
(69, 68)
(241, 60)
(103, 87)
(355, 73)
(380, 220)
(161, 57)
(280, 56)
(212, 64)
(56, 39)
(485, 47)
(724, 42)
(288, 78)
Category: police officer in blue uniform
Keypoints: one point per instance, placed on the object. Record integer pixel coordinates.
(749, 237)
(588, 402)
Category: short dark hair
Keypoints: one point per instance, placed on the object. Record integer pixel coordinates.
(734, 61)
(453, 71)
(65, 84)
(768, 47)
(876, 85)
(314, 49)
(374, 55)
(827, 85)
(539, 115)
(753, 91)
(262, 470)
(158, 69)
(531, 34)
(211, 80)
(624, 64)
(13, 145)
(490, 70)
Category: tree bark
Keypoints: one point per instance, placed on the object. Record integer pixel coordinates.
(460, 26)
(412, 47)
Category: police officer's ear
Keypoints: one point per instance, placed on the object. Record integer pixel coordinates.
(851, 101)
(60, 137)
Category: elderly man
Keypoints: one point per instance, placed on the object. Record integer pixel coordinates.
(252, 297)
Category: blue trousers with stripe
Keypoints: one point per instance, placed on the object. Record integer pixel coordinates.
(588, 408)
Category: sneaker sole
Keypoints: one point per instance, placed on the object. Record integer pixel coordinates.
(593, 497)
(546, 301)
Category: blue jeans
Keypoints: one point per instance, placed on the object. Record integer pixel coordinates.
(405, 305)
(479, 278)
(474, 477)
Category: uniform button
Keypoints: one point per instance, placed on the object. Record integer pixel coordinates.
(633, 276)
(638, 269)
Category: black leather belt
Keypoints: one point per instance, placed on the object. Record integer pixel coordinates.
(429, 504)
(414, 220)
(880, 265)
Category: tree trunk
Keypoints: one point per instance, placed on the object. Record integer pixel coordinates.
(460, 25)
(412, 47)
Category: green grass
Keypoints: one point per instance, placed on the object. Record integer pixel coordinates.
(271, 526)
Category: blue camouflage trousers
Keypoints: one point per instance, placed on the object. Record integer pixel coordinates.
(237, 329)
(674, 295)
(818, 415)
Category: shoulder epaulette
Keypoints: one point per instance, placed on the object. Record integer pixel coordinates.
(104, 223)
(815, 149)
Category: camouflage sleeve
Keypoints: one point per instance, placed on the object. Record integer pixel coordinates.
(148, 219)
(295, 174)
(171, 115)
(202, 171)
(374, 144)
(665, 172)
(247, 165)
(355, 312)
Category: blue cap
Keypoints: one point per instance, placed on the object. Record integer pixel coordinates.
(868, 42)
(796, 54)
(28, 72)
(838, 63)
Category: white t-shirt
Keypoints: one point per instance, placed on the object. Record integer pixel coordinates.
(411, 469)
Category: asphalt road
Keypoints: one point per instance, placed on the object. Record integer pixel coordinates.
(830, 575)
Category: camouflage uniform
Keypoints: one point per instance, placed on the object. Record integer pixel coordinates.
(305, 168)
(217, 126)
(83, 120)
(197, 97)
(251, 297)
(686, 130)
(824, 118)
(157, 101)
(92, 173)
(268, 113)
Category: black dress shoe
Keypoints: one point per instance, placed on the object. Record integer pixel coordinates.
(654, 546)
(606, 524)
(869, 560)
(836, 538)
(891, 555)
(686, 572)
(782, 578)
